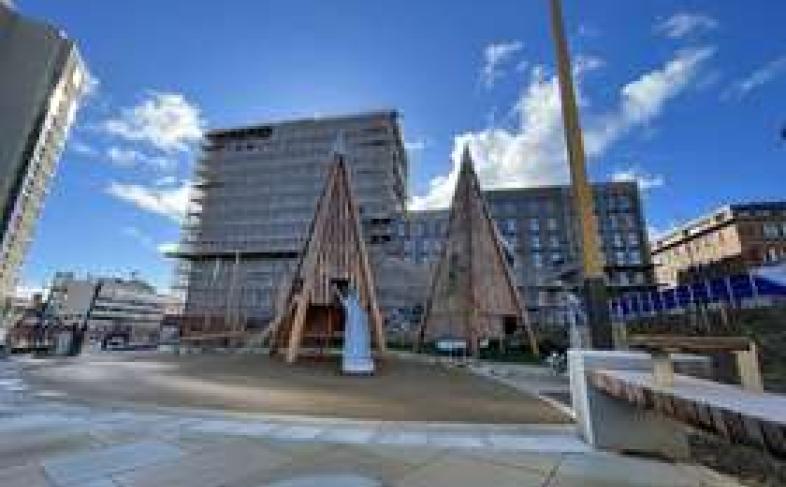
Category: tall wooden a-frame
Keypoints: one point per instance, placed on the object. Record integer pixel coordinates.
(472, 294)
(334, 257)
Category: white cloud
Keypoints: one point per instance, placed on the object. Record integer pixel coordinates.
(167, 247)
(533, 152)
(165, 120)
(82, 149)
(132, 157)
(758, 78)
(170, 201)
(415, 145)
(645, 180)
(494, 57)
(643, 99)
(165, 181)
(140, 236)
(91, 86)
(683, 24)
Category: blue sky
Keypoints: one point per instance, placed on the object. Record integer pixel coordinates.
(685, 96)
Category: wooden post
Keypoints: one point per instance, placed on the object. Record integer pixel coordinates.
(748, 368)
(662, 369)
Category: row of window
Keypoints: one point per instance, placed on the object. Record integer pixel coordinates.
(539, 206)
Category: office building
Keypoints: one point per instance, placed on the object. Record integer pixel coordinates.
(107, 306)
(41, 80)
(540, 229)
(730, 240)
(254, 199)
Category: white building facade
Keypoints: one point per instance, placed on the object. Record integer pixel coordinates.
(108, 306)
(42, 78)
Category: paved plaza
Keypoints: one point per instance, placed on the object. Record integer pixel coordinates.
(402, 390)
(51, 439)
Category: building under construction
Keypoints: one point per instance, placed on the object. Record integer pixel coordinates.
(255, 194)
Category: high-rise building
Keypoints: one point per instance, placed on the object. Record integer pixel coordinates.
(255, 196)
(540, 228)
(730, 240)
(42, 78)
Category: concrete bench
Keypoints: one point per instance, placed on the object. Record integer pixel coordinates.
(661, 346)
(620, 405)
(741, 416)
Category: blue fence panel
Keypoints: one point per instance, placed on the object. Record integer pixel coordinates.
(657, 300)
(683, 296)
(669, 299)
(767, 287)
(635, 304)
(741, 287)
(700, 292)
(719, 290)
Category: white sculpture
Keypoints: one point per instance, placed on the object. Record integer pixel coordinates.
(356, 358)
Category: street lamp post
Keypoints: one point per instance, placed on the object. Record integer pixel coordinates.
(594, 281)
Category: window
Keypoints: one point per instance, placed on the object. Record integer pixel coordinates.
(552, 224)
(535, 242)
(554, 242)
(534, 225)
(772, 254)
(770, 230)
(618, 240)
(624, 202)
(623, 278)
(634, 257)
(633, 239)
(537, 260)
(620, 257)
(510, 226)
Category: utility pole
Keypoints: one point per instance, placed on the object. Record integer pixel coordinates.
(592, 264)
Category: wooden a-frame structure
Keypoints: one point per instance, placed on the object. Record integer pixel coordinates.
(472, 295)
(334, 257)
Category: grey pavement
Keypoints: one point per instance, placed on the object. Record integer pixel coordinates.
(45, 440)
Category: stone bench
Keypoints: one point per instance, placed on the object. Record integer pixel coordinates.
(661, 346)
(740, 416)
(621, 405)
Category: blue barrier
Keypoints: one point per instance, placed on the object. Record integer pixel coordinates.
(733, 290)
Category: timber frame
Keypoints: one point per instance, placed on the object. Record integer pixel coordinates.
(472, 290)
(335, 252)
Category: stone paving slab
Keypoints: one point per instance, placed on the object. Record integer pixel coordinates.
(450, 471)
(20, 449)
(31, 475)
(123, 447)
(79, 468)
(210, 467)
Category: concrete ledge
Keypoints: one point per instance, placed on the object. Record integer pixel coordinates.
(610, 423)
(738, 415)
